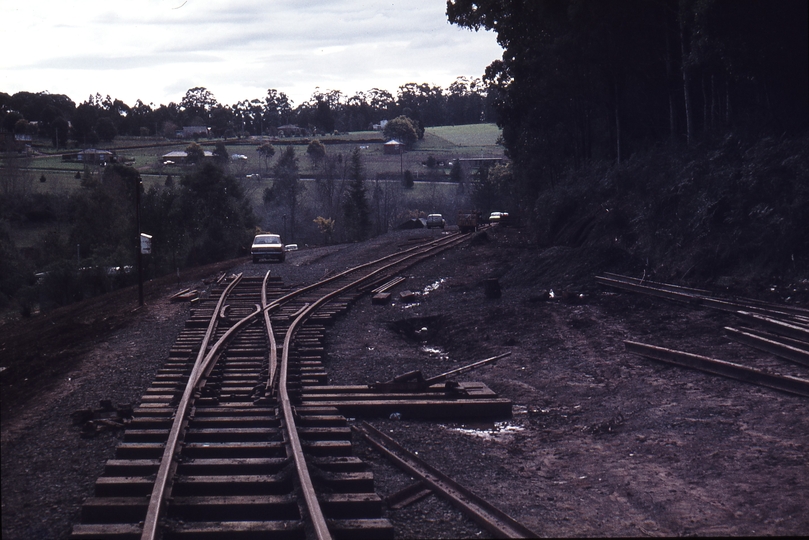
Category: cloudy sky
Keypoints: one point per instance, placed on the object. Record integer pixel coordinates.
(155, 50)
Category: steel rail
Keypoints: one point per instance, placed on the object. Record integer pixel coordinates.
(273, 358)
(789, 329)
(167, 464)
(786, 351)
(156, 500)
(267, 307)
(659, 284)
(792, 385)
(671, 293)
(450, 241)
(494, 520)
(307, 487)
(207, 357)
(204, 364)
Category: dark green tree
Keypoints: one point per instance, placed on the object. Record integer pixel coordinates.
(401, 129)
(197, 103)
(277, 109)
(218, 218)
(328, 184)
(220, 153)
(323, 117)
(266, 151)
(407, 181)
(287, 186)
(194, 153)
(423, 104)
(10, 120)
(106, 129)
(356, 209)
(316, 151)
(162, 217)
(584, 80)
(14, 271)
(492, 188)
(84, 123)
(103, 217)
(456, 172)
(59, 132)
(268, 196)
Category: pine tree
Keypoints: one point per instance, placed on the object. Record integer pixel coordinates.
(356, 210)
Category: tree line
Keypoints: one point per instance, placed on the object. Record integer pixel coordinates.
(58, 118)
(588, 80)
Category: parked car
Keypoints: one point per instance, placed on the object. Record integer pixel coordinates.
(436, 220)
(268, 246)
(498, 217)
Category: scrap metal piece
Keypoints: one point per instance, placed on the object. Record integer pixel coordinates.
(414, 381)
(792, 385)
(408, 495)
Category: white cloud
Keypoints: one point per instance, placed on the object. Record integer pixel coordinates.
(155, 50)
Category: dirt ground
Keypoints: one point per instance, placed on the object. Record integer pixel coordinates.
(601, 442)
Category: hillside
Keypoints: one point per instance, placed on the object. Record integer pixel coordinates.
(731, 215)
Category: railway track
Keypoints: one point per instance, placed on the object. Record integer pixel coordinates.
(228, 441)
(778, 329)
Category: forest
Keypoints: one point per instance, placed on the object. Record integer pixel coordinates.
(583, 80)
(669, 132)
(57, 118)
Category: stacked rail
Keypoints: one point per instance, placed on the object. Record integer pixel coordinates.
(778, 329)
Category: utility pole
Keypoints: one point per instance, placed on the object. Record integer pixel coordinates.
(140, 255)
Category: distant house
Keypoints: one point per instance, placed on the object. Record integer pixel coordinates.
(393, 147)
(380, 126)
(180, 157)
(290, 130)
(17, 143)
(91, 156)
(193, 132)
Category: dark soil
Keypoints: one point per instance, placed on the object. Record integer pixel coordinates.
(601, 442)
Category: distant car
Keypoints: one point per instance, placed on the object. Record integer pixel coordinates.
(268, 246)
(436, 220)
(497, 217)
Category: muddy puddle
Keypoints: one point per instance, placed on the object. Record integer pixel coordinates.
(495, 432)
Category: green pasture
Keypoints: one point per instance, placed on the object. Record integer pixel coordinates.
(146, 154)
(473, 135)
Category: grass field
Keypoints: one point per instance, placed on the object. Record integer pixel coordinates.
(475, 135)
(442, 143)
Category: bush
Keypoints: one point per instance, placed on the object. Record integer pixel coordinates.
(738, 209)
(407, 181)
